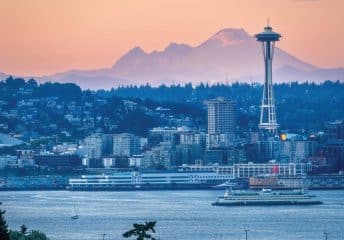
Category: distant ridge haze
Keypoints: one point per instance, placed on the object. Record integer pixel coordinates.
(227, 56)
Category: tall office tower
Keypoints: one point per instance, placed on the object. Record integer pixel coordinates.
(125, 144)
(93, 146)
(221, 116)
(221, 123)
(267, 113)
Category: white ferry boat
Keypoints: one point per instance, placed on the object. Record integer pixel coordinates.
(266, 197)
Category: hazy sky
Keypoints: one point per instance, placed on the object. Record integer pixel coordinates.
(49, 36)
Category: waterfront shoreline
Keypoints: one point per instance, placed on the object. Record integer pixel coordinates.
(152, 189)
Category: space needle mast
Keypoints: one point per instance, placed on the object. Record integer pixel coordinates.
(267, 112)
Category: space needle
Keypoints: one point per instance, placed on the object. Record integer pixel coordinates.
(267, 112)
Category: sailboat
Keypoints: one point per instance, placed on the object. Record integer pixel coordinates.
(75, 215)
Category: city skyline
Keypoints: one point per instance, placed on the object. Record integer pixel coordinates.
(45, 38)
(120, 119)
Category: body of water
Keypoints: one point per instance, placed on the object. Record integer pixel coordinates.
(179, 215)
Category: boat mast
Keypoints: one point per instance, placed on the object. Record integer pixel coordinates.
(326, 235)
(246, 231)
(75, 212)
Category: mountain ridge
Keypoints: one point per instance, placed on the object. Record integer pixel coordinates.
(230, 51)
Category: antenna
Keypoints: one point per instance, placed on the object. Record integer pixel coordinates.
(268, 22)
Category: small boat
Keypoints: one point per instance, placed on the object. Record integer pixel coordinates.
(75, 215)
(232, 184)
(265, 197)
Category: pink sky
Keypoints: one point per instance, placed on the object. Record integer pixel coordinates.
(46, 36)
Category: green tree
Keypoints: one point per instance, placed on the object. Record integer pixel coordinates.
(4, 233)
(141, 231)
(36, 235)
(23, 234)
(23, 229)
(16, 235)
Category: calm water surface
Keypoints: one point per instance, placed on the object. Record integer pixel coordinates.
(179, 215)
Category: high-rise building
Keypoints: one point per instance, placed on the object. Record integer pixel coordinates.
(190, 148)
(188, 154)
(192, 138)
(221, 123)
(334, 152)
(296, 148)
(126, 144)
(223, 140)
(92, 146)
(335, 130)
(268, 113)
(268, 149)
(166, 134)
(161, 156)
(221, 116)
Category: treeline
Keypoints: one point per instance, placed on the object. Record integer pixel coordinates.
(66, 91)
(299, 105)
(236, 91)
